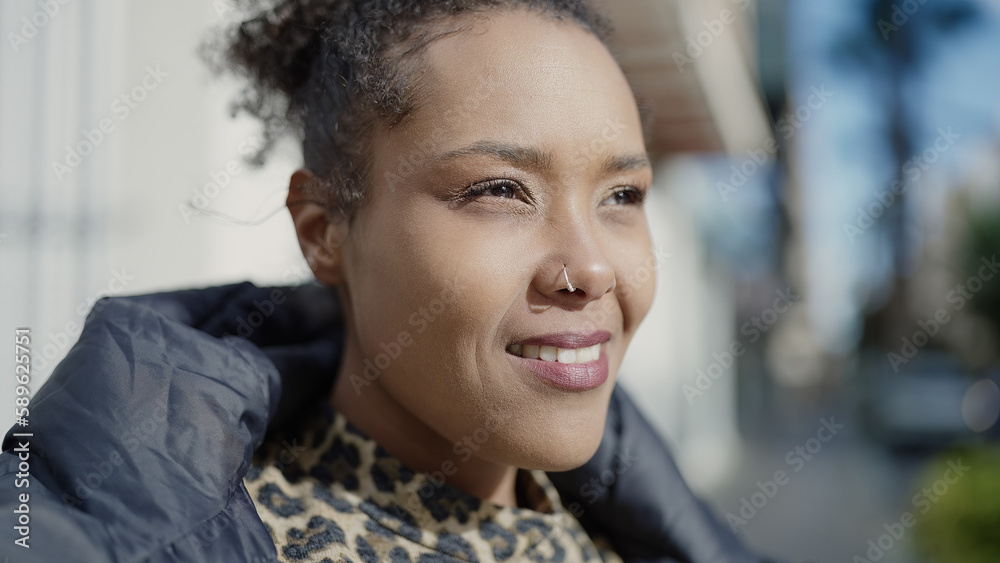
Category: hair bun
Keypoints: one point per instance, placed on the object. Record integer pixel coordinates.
(277, 46)
(273, 47)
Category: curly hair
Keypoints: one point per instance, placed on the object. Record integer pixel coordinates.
(330, 70)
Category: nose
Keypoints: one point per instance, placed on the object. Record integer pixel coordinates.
(578, 263)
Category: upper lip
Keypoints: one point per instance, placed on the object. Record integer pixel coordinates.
(567, 340)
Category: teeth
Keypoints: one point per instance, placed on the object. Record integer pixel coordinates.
(548, 353)
(564, 356)
(554, 354)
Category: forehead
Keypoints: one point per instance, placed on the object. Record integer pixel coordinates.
(524, 78)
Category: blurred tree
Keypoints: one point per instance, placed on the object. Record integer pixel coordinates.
(891, 46)
(982, 243)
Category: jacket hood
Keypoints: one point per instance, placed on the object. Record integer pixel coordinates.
(141, 437)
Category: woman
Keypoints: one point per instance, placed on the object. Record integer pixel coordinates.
(465, 122)
(472, 187)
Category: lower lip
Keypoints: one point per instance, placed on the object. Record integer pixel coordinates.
(570, 377)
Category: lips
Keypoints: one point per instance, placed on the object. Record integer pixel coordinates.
(575, 376)
(567, 339)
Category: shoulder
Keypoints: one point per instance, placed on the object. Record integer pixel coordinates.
(146, 406)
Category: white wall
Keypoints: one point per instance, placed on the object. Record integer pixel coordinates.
(64, 241)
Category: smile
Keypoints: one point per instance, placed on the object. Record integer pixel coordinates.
(556, 354)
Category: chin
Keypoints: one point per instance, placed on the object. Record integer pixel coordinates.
(556, 447)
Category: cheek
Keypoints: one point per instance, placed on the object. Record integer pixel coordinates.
(637, 281)
(447, 287)
(437, 256)
(444, 284)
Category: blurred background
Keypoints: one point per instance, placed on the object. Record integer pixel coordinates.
(822, 355)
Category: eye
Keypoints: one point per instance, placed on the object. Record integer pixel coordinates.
(500, 187)
(627, 195)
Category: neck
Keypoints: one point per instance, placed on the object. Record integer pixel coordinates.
(410, 440)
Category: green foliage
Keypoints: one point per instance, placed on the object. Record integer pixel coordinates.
(964, 523)
(982, 242)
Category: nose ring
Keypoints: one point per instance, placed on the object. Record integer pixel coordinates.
(569, 285)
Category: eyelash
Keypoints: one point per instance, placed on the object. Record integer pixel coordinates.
(483, 188)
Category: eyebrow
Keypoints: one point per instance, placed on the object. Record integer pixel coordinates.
(523, 157)
(626, 162)
(533, 158)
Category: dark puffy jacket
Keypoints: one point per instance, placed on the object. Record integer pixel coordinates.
(143, 434)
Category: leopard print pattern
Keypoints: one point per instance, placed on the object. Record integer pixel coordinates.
(330, 494)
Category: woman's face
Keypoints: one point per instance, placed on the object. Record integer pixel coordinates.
(538, 114)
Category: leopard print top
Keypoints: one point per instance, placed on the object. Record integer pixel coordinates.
(333, 495)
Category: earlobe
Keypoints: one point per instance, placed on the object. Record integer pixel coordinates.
(321, 236)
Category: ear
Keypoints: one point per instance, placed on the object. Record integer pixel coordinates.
(321, 233)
